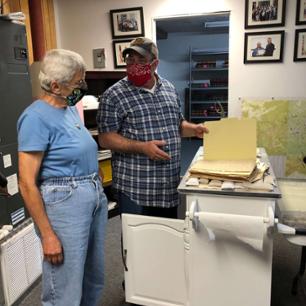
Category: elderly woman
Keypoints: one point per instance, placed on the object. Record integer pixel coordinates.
(60, 185)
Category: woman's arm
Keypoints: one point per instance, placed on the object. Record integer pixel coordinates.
(29, 165)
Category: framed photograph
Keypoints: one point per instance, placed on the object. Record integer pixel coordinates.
(127, 23)
(118, 47)
(263, 47)
(301, 12)
(264, 13)
(300, 45)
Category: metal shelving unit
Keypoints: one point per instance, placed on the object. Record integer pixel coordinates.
(208, 85)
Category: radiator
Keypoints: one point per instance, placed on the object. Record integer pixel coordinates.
(21, 261)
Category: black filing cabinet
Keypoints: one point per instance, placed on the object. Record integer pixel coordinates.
(15, 96)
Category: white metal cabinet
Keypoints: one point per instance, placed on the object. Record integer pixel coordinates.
(170, 266)
(174, 262)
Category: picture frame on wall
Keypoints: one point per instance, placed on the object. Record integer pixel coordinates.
(264, 13)
(300, 12)
(127, 23)
(300, 45)
(263, 47)
(118, 47)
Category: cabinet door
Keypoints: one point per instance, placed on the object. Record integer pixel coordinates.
(154, 249)
(228, 271)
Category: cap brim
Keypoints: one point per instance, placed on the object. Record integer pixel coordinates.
(139, 50)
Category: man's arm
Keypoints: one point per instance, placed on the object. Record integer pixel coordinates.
(189, 129)
(118, 143)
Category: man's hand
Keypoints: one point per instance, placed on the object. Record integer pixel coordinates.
(200, 129)
(152, 150)
(53, 250)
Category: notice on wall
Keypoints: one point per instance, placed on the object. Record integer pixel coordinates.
(12, 184)
(7, 160)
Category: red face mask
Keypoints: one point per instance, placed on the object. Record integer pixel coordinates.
(139, 74)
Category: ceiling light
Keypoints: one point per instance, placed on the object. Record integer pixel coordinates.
(216, 24)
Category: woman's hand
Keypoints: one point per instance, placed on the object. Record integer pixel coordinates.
(53, 250)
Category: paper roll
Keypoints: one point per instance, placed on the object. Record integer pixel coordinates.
(3, 233)
(249, 229)
(7, 227)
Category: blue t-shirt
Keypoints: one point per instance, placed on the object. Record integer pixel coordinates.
(69, 149)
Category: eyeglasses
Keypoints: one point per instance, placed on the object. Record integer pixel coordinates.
(77, 84)
(135, 60)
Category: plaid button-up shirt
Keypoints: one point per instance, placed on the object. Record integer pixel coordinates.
(140, 115)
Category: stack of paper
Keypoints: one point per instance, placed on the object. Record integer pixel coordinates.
(230, 152)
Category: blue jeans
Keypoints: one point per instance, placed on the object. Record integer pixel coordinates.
(77, 210)
(128, 206)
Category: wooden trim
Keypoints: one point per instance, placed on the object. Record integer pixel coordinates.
(99, 75)
(37, 28)
(24, 7)
(11, 6)
(49, 23)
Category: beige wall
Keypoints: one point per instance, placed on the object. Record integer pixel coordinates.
(85, 25)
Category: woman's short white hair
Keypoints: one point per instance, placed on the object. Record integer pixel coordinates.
(61, 66)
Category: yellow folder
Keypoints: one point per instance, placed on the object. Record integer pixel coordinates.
(230, 139)
(229, 150)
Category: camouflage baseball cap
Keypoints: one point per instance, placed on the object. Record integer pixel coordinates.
(143, 46)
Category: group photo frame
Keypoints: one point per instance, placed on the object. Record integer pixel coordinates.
(118, 47)
(300, 12)
(300, 45)
(263, 47)
(264, 13)
(127, 23)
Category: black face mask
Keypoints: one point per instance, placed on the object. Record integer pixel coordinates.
(76, 95)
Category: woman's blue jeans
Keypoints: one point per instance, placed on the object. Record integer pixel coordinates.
(77, 210)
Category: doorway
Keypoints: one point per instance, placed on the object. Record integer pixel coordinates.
(176, 37)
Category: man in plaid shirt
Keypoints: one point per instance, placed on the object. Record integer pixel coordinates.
(140, 120)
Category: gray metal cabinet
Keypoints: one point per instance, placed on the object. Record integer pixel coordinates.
(15, 96)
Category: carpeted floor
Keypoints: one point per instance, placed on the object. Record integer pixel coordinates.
(286, 260)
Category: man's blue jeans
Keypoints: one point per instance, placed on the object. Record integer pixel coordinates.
(77, 210)
(128, 206)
